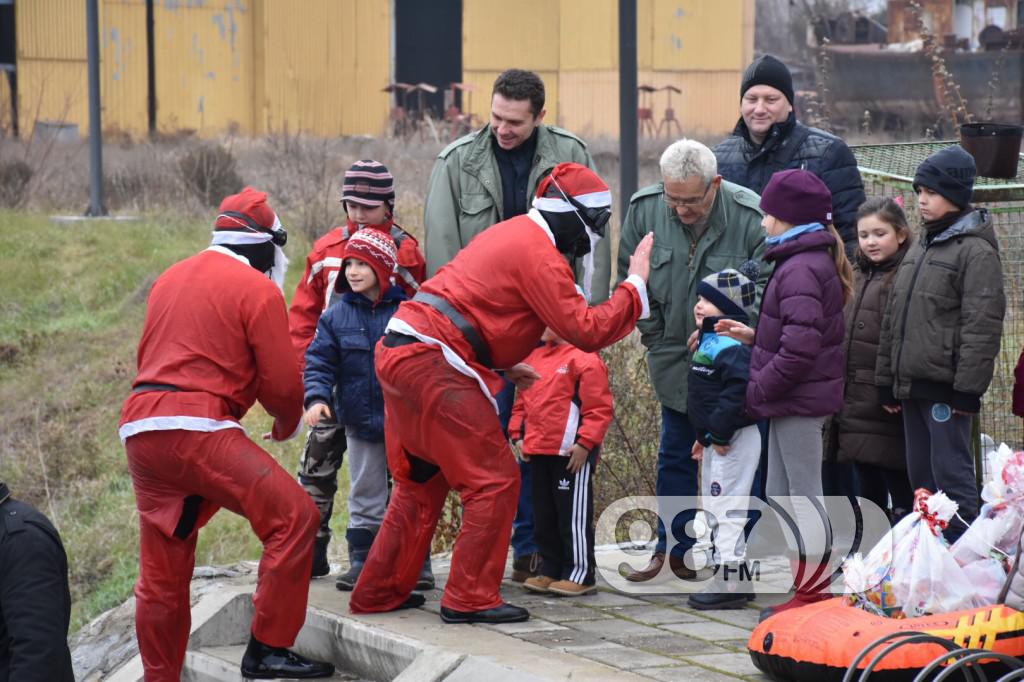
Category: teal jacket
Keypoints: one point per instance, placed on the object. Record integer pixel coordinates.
(678, 263)
(464, 196)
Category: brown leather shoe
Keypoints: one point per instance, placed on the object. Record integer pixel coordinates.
(569, 588)
(680, 569)
(526, 566)
(538, 583)
(649, 572)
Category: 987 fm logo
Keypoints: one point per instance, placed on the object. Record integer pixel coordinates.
(766, 546)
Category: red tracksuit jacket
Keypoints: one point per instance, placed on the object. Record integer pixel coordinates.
(570, 403)
(217, 330)
(323, 265)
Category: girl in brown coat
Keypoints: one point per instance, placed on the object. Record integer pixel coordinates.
(868, 436)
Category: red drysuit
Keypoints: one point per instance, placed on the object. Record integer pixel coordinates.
(323, 267)
(509, 283)
(215, 341)
(571, 402)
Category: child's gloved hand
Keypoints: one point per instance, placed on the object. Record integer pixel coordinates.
(517, 450)
(522, 375)
(315, 413)
(720, 449)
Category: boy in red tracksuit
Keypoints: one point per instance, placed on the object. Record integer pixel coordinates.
(559, 424)
(368, 197)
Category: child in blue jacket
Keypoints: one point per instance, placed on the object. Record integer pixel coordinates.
(728, 443)
(339, 363)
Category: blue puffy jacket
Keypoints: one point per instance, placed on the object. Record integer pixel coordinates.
(717, 389)
(340, 359)
(792, 144)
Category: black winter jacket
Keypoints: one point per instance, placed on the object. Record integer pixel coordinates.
(717, 388)
(340, 359)
(35, 602)
(792, 144)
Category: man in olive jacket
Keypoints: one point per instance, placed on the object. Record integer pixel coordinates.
(492, 174)
(701, 225)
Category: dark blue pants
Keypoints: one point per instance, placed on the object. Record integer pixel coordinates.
(677, 476)
(522, 527)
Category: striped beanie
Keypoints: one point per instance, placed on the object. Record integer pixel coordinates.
(376, 249)
(368, 183)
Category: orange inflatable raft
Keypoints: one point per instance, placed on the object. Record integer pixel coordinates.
(819, 642)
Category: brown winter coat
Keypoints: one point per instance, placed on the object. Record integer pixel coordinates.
(868, 434)
(944, 319)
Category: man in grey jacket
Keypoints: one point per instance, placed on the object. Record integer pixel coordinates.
(702, 225)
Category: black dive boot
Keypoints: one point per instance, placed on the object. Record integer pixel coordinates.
(321, 566)
(265, 662)
(359, 542)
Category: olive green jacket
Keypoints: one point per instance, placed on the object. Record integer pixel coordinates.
(464, 197)
(678, 263)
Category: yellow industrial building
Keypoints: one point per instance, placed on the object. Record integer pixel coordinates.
(320, 66)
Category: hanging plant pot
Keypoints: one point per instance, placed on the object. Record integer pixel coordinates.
(994, 146)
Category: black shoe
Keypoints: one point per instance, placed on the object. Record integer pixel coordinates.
(506, 613)
(709, 601)
(321, 566)
(426, 579)
(267, 663)
(413, 602)
(346, 582)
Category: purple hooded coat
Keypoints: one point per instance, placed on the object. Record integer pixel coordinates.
(796, 369)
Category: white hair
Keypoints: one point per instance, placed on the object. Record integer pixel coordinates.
(687, 158)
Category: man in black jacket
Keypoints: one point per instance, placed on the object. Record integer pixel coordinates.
(768, 139)
(35, 602)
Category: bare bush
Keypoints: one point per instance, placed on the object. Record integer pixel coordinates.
(209, 170)
(15, 176)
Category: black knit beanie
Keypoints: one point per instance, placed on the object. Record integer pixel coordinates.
(950, 172)
(768, 70)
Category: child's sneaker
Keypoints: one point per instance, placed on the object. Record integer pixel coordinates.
(538, 583)
(568, 588)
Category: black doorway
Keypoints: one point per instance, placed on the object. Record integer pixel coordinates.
(428, 49)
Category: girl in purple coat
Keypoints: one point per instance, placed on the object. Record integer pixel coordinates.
(796, 369)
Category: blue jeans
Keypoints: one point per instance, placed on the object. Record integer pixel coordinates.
(677, 476)
(522, 527)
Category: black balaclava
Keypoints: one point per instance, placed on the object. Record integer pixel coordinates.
(570, 234)
(261, 256)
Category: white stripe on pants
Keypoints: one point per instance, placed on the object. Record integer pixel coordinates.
(368, 492)
(725, 488)
(580, 521)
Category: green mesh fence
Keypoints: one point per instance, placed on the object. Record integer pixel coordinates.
(888, 170)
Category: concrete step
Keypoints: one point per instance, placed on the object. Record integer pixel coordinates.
(222, 664)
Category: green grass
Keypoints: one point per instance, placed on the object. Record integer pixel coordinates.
(72, 304)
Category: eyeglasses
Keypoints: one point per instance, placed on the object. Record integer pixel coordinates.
(675, 202)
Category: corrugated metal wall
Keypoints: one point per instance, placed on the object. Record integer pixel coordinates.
(319, 70)
(52, 83)
(204, 66)
(326, 67)
(700, 47)
(260, 65)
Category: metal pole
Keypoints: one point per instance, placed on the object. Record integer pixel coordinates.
(150, 68)
(628, 124)
(92, 27)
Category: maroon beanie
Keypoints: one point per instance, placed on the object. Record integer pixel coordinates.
(797, 197)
